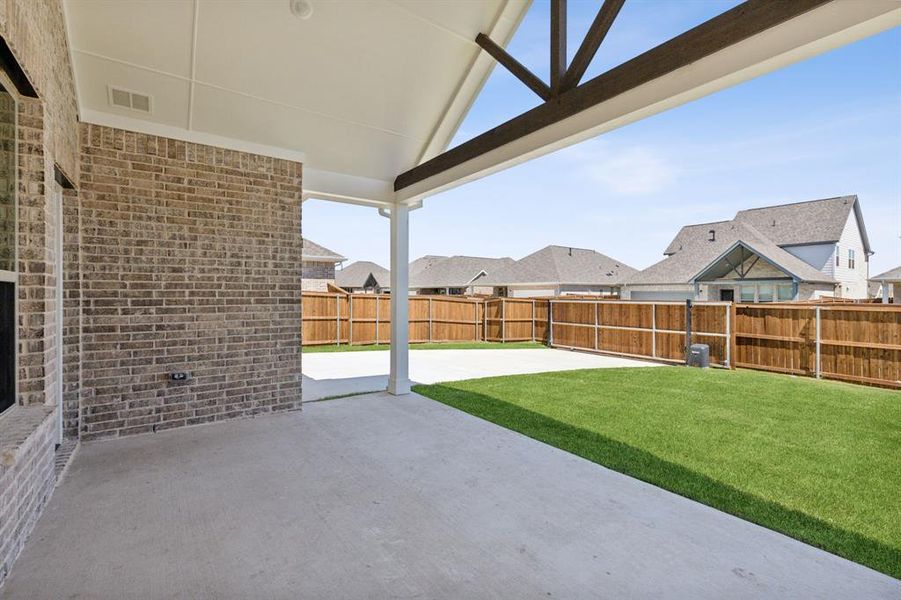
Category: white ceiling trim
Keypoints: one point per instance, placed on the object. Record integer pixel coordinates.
(194, 26)
(349, 189)
(455, 34)
(180, 133)
(192, 82)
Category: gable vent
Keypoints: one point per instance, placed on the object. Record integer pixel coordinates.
(130, 100)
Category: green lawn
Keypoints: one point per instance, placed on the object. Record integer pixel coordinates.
(435, 346)
(819, 461)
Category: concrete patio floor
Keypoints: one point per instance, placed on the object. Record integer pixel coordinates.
(330, 374)
(394, 497)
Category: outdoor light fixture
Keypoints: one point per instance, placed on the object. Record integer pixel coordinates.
(302, 9)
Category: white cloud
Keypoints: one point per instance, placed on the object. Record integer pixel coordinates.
(632, 170)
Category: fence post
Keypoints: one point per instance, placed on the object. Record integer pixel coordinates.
(503, 320)
(485, 321)
(533, 319)
(350, 320)
(550, 322)
(337, 320)
(597, 330)
(378, 302)
(687, 330)
(654, 331)
(475, 321)
(729, 336)
(430, 318)
(817, 360)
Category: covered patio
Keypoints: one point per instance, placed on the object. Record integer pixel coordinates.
(157, 155)
(377, 496)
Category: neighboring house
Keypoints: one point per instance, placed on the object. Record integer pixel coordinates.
(364, 276)
(777, 253)
(424, 262)
(453, 275)
(560, 271)
(318, 266)
(886, 284)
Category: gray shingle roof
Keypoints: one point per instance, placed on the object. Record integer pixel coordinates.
(356, 274)
(454, 271)
(424, 262)
(314, 252)
(890, 275)
(562, 265)
(811, 222)
(696, 252)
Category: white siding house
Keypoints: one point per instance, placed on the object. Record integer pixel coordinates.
(784, 252)
(850, 260)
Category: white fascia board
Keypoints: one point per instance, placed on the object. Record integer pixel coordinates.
(97, 117)
(350, 189)
(832, 25)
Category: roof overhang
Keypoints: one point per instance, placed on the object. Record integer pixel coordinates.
(367, 93)
(358, 92)
(825, 26)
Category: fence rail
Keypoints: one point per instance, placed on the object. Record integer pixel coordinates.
(358, 319)
(656, 330)
(860, 343)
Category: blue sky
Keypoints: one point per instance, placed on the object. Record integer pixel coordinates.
(824, 127)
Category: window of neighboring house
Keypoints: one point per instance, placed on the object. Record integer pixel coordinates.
(764, 292)
(838, 256)
(850, 259)
(785, 292)
(747, 293)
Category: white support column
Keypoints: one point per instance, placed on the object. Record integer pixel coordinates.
(399, 375)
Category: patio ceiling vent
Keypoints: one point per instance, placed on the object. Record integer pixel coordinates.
(130, 100)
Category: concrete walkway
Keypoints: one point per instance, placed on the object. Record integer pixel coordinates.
(385, 497)
(331, 374)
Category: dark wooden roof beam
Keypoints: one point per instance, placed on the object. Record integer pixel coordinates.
(593, 39)
(514, 66)
(558, 44)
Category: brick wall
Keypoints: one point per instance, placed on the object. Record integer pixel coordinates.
(317, 275)
(318, 270)
(36, 33)
(189, 261)
(46, 135)
(26, 477)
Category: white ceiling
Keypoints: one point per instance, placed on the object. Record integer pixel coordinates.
(362, 89)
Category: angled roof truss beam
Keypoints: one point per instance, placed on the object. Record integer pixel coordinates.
(532, 81)
(589, 47)
(748, 40)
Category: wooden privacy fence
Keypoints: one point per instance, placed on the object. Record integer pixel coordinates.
(515, 319)
(860, 343)
(358, 319)
(654, 330)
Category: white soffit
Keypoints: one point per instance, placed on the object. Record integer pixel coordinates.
(359, 92)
